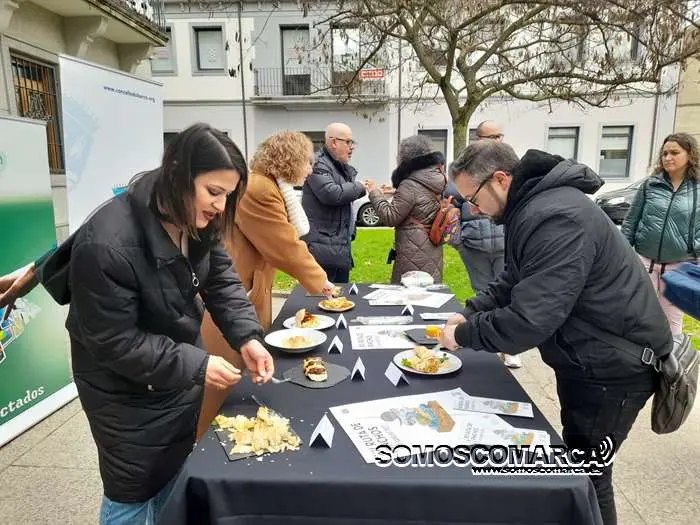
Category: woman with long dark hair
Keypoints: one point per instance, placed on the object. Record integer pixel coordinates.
(662, 224)
(138, 275)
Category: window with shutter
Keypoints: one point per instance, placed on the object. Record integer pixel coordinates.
(615, 151)
(563, 141)
(164, 59)
(210, 48)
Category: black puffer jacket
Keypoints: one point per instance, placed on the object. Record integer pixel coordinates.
(327, 198)
(565, 258)
(134, 324)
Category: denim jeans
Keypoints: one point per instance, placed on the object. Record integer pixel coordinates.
(144, 513)
(591, 411)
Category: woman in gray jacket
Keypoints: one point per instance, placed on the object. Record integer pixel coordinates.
(420, 181)
(662, 224)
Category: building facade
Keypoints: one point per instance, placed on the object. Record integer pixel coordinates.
(118, 34)
(254, 68)
(688, 108)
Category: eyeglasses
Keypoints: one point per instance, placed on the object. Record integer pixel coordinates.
(497, 136)
(472, 199)
(349, 142)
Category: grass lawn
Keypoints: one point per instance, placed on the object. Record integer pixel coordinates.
(370, 250)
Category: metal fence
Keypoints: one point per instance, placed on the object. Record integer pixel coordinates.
(152, 11)
(311, 80)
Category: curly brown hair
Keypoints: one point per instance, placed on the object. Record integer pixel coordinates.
(690, 145)
(283, 155)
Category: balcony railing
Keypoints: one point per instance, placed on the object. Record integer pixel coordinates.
(149, 11)
(318, 81)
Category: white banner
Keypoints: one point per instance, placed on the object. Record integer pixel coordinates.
(112, 130)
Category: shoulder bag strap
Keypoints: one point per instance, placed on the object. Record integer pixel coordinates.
(645, 354)
(691, 226)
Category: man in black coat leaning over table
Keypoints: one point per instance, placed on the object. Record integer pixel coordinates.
(564, 260)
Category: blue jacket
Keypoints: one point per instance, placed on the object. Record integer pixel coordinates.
(478, 232)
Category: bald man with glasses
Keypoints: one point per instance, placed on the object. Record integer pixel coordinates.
(327, 198)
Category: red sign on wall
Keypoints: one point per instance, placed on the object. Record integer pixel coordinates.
(366, 74)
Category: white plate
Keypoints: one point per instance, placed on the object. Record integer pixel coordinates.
(323, 320)
(454, 363)
(350, 306)
(277, 339)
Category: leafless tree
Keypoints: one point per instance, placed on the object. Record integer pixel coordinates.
(587, 52)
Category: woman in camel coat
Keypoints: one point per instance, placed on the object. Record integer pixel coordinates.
(269, 223)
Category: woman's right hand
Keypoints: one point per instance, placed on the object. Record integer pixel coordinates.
(220, 373)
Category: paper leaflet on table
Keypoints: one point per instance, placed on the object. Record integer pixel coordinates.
(384, 319)
(437, 316)
(387, 286)
(426, 419)
(381, 336)
(495, 406)
(415, 297)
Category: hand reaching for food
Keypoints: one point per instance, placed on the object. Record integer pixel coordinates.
(258, 360)
(370, 185)
(328, 289)
(389, 190)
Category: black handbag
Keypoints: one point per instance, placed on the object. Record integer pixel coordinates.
(678, 383)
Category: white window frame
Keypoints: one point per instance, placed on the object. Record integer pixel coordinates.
(194, 45)
(448, 141)
(173, 56)
(630, 151)
(579, 134)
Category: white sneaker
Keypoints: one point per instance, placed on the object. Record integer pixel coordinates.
(511, 361)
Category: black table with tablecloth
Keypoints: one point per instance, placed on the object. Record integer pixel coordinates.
(334, 486)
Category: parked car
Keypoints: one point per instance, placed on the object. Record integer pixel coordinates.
(616, 204)
(362, 210)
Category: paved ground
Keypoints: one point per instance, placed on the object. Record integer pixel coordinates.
(49, 475)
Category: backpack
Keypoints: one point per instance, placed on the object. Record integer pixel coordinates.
(446, 224)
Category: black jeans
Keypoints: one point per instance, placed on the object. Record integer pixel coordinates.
(337, 275)
(591, 411)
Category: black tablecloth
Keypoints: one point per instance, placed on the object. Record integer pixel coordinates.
(336, 487)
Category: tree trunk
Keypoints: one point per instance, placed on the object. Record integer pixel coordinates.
(460, 133)
(460, 130)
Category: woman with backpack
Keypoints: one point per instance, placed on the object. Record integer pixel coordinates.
(419, 181)
(662, 224)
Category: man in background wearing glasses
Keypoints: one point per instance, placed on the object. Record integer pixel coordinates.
(327, 198)
(481, 248)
